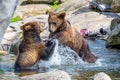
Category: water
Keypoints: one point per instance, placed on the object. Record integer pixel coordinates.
(66, 59)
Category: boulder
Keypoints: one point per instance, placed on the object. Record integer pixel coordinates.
(114, 37)
(31, 10)
(71, 5)
(53, 75)
(7, 7)
(3, 52)
(116, 6)
(100, 76)
(86, 19)
(114, 23)
(106, 2)
(25, 2)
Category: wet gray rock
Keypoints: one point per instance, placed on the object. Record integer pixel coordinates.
(71, 5)
(106, 2)
(114, 37)
(115, 4)
(53, 75)
(100, 76)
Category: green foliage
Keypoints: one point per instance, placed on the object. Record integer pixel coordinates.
(55, 4)
(16, 18)
(1, 71)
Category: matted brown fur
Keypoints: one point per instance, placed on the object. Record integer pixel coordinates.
(60, 29)
(31, 48)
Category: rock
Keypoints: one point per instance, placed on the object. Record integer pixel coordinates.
(86, 19)
(53, 75)
(106, 2)
(100, 76)
(113, 38)
(24, 2)
(114, 23)
(3, 53)
(71, 5)
(100, 7)
(116, 6)
(7, 7)
(31, 10)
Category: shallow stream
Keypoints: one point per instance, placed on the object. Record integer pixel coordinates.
(66, 59)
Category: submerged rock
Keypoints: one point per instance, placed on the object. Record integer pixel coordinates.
(114, 37)
(53, 75)
(100, 76)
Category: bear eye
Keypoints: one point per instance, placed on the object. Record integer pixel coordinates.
(54, 23)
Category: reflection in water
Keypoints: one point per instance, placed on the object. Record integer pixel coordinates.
(66, 59)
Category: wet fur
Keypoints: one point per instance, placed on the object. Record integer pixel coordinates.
(31, 48)
(69, 36)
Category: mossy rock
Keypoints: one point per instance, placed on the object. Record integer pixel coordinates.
(113, 39)
(114, 23)
(40, 2)
(116, 6)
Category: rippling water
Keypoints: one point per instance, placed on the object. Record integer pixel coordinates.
(66, 59)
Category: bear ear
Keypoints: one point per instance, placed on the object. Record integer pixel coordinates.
(28, 27)
(51, 13)
(62, 15)
(21, 27)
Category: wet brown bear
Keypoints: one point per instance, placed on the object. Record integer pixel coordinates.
(61, 29)
(31, 48)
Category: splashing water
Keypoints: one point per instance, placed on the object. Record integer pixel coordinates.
(65, 56)
(68, 60)
(54, 60)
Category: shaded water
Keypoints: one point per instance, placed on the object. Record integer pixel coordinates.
(65, 59)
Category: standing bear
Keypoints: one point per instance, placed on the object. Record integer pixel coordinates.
(61, 29)
(31, 48)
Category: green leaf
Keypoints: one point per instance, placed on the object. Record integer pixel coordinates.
(16, 18)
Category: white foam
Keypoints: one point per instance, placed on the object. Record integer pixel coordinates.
(65, 56)
(55, 59)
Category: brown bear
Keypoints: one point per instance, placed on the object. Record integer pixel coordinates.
(31, 48)
(61, 29)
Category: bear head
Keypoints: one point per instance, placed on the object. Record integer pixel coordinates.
(56, 21)
(32, 26)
